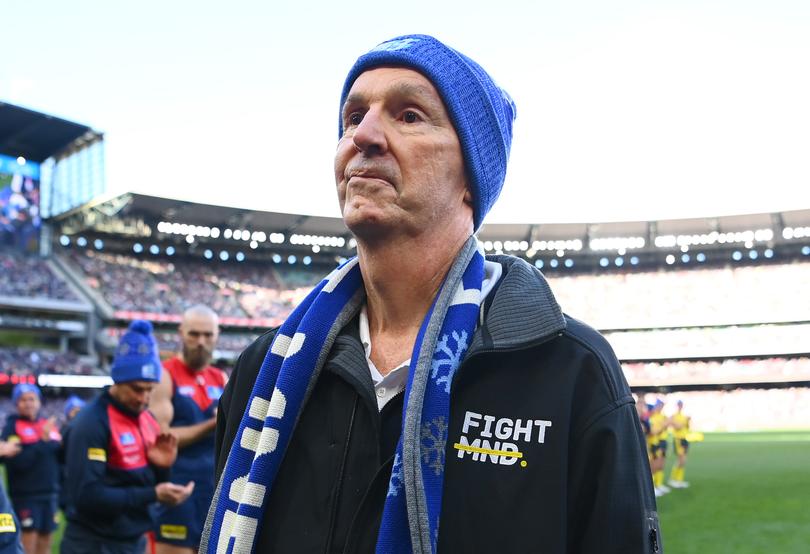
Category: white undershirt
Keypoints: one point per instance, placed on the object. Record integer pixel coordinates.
(388, 386)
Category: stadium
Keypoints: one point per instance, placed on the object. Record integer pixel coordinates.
(713, 312)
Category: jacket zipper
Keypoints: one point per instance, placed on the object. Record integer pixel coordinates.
(339, 483)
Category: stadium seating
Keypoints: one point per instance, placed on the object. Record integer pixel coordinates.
(234, 291)
(27, 361)
(25, 276)
(694, 297)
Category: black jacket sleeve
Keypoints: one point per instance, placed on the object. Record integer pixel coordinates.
(86, 467)
(611, 505)
(233, 402)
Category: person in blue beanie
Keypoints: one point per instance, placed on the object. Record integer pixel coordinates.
(425, 397)
(118, 461)
(33, 473)
(72, 406)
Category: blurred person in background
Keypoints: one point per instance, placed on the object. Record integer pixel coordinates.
(680, 431)
(9, 524)
(659, 432)
(117, 459)
(72, 406)
(184, 404)
(33, 473)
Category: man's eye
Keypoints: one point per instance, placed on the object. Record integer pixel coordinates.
(410, 117)
(355, 118)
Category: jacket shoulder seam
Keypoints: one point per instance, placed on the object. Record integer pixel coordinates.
(604, 364)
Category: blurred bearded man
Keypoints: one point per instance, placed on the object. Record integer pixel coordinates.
(184, 404)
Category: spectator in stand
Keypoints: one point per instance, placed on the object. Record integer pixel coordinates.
(33, 473)
(117, 459)
(185, 404)
(9, 525)
(31, 277)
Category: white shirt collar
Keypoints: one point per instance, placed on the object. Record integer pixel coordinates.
(396, 379)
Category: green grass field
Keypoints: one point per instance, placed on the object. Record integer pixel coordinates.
(750, 493)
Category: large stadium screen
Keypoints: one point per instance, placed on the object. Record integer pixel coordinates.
(19, 204)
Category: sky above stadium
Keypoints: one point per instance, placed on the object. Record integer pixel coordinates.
(627, 110)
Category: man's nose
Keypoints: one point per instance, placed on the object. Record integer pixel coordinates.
(369, 136)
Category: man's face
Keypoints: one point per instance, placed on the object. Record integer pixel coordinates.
(398, 166)
(133, 395)
(28, 405)
(199, 333)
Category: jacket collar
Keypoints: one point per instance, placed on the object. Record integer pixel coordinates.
(522, 311)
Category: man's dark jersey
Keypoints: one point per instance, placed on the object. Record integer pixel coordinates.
(111, 485)
(34, 472)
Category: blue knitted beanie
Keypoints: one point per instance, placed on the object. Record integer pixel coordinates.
(73, 402)
(23, 388)
(136, 357)
(482, 112)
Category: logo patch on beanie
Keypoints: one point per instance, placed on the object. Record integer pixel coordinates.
(394, 45)
(148, 371)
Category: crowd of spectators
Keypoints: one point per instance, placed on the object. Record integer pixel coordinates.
(732, 371)
(634, 300)
(163, 287)
(28, 276)
(131, 284)
(711, 342)
(680, 298)
(742, 409)
(28, 361)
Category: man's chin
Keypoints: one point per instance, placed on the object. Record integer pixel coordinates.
(197, 363)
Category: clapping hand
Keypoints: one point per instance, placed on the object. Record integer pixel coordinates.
(163, 453)
(9, 449)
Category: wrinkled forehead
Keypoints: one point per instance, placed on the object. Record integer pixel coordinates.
(396, 82)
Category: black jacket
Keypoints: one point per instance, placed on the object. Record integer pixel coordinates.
(533, 381)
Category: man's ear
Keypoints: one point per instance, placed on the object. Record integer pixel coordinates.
(468, 198)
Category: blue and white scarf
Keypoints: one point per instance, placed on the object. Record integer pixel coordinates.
(293, 362)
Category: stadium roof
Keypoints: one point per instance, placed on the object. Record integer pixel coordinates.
(153, 209)
(36, 136)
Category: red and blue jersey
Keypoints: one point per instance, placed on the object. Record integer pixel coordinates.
(195, 397)
(35, 470)
(111, 484)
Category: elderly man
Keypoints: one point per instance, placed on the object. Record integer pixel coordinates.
(423, 398)
(117, 458)
(184, 404)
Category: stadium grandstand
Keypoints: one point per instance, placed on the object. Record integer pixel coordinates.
(713, 310)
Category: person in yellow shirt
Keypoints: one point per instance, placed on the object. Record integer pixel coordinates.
(659, 430)
(680, 431)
